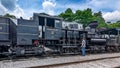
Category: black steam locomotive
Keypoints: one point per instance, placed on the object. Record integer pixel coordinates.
(45, 33)
(17, 36)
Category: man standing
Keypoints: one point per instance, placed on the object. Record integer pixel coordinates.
(83, 46)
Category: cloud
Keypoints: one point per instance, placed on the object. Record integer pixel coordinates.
(11, 7)
(48, 6)
(96, 5)
(26, 8)
(2, 9)
(112, 16)
(18, 12)
(103, 5)
(9, 4)
(109, 7)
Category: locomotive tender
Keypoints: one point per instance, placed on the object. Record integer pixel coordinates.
(17, 36)
(45, 33)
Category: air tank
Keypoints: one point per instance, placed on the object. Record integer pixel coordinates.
(98, 41)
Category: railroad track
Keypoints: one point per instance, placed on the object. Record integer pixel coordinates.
(27, 57)
(60, 65)
(57, 61)
(16, 58)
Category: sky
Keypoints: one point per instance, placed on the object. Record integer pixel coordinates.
(25, 8)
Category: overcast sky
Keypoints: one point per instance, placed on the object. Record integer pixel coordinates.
(26, 8)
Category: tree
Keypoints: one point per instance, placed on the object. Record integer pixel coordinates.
(98, 14)
(67, 15)
(84, 17)
(78, 16)
(69, 11)
(9, 16)
(114, 25)
(118, 21)
(98, 17)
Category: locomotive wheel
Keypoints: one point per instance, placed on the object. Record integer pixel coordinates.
(116, 48)
(108, 49)
(19, 51)
(38, 50)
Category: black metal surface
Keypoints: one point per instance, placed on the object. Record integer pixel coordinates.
(98, 41)
(27, 22)
(93, 24)
(50, 22)
(7, 31)
(41, 21)
(112, 31)
(4, 28)
(13, 33)
(26, 32)
(27, 29)
(50, 28)
(52, 33)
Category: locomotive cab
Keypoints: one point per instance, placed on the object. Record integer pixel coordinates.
(49, 30)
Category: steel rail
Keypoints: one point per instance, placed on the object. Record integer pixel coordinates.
(74, 62)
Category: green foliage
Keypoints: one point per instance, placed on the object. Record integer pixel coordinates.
(84, 17)
(67, 15)
(101, 22)
(114, 25)
(9, 16)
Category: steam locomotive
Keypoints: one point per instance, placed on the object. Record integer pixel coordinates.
(46, 34)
